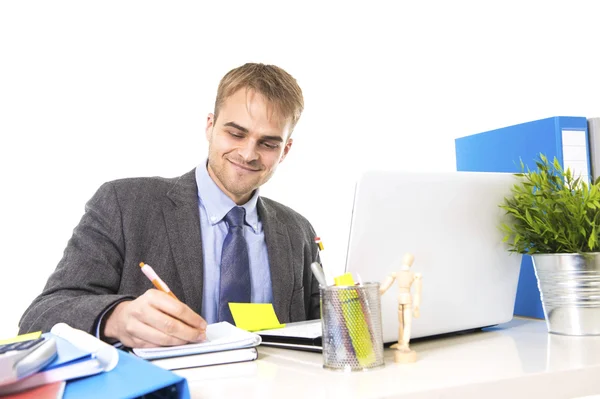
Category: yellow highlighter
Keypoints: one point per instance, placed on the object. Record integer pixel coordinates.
(355, 320)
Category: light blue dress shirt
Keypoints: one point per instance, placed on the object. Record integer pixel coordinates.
(214, 205)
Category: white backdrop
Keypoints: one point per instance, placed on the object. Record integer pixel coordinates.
(93, 91)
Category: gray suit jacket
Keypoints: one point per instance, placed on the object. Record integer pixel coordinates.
(156, 220)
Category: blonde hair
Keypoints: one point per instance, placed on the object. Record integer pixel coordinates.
(277, 86)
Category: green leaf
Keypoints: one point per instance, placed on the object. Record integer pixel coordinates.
(528, 216)
(556, 164)
(593, 239)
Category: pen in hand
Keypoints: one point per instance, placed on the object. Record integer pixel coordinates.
(158, 283)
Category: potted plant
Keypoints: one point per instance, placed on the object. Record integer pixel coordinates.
(555, 217)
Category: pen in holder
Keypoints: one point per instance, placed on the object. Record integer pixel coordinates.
(352, 333)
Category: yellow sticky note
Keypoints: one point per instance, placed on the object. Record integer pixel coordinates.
(21, 338)
(254, 316)
(344, 280)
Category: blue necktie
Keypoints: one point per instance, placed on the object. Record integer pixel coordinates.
(235, 265)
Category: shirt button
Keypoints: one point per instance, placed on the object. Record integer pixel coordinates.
(213, 218)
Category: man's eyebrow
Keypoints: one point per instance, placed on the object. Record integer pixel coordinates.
(272, 138)
(238, 127)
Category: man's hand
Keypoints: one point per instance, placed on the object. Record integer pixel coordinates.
(416, 312)
(154, 319)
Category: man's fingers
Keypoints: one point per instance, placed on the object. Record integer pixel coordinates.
(155, 319)
(154, 316)
(146, 336)
(176, 309)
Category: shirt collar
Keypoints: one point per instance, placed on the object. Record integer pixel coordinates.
(218, 204)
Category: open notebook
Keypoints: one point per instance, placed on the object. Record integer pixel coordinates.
(224, 343)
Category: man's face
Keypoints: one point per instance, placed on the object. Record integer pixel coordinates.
(245, 144)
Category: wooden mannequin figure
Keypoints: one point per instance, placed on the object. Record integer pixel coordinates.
(408, 306)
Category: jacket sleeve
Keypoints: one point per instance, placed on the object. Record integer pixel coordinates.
(86, 280)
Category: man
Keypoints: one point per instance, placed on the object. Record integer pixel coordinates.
(208, 234)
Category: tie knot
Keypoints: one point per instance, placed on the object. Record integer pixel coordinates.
(235, 217)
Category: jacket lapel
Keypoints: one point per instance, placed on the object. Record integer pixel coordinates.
(280, 260)
(183, 229)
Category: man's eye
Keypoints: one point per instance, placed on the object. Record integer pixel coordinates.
(236, 135)
(271, 146)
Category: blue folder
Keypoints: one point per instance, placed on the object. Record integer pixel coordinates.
(501, 150)
(133, 377)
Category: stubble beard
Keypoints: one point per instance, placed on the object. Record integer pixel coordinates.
(231, 181)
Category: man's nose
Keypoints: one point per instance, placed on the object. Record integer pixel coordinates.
(248, 151)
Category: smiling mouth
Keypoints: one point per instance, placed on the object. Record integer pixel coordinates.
(246, 168)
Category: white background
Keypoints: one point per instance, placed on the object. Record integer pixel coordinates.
(94, 91)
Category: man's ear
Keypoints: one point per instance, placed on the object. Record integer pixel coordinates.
(210, 124)
(286, 149)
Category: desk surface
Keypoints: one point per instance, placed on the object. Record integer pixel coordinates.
(516, 359)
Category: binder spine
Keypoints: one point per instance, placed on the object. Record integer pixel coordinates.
(593, 125)
(573, 146)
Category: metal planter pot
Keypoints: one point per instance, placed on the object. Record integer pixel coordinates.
(570, 289)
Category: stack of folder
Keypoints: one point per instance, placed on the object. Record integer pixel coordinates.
(94, 369)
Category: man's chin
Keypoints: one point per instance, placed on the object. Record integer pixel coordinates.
(241, 191)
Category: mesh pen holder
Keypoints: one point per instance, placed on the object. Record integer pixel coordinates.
(352, 334)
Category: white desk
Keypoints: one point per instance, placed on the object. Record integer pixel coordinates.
(514, 360)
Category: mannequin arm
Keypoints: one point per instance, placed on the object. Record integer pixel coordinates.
(387, 283)
(417, 296)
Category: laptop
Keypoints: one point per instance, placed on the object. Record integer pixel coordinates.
(450, 222)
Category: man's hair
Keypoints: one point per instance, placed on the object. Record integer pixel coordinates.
(278, 87)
